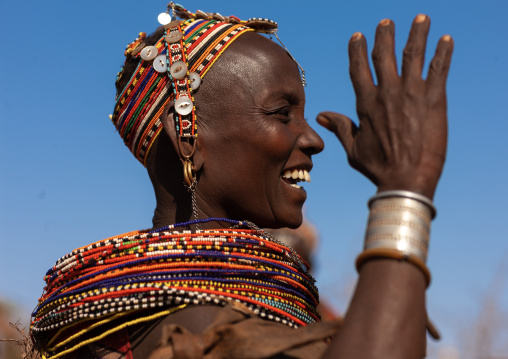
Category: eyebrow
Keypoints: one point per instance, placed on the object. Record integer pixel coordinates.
(291, 96)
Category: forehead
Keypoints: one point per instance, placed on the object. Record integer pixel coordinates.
(257, 67)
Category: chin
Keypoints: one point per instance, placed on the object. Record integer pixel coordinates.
(294, 224)
(290, 219)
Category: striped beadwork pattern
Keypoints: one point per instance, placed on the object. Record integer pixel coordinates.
(140, 104)
(140, 270)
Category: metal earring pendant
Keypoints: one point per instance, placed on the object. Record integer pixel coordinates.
(192, 190)
(188, 175)
(191, 183)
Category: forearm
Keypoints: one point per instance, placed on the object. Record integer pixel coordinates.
(387, 317)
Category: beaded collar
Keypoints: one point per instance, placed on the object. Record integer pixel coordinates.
(135, 272)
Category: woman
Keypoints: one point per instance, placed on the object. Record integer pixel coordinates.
(216, 287)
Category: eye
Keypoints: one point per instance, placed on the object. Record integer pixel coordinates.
(281, 114)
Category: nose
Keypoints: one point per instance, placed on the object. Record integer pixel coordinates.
(309, 141)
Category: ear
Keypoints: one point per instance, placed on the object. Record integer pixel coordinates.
(168, 123)
(168, 119)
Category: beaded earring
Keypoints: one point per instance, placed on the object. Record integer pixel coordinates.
(174, 62)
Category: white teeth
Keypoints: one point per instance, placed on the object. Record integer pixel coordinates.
(297, 174)
(295, 186)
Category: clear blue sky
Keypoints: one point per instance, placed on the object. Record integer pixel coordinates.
(66, 179)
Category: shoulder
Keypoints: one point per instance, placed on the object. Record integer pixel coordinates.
(230, 331)
(191, 320)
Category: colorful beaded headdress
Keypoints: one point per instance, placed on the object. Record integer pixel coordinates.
(171, 70)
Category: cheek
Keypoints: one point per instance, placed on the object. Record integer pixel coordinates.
(266, 155)
(274, 140)
(248, 169)
(247, 155)
(259, 145)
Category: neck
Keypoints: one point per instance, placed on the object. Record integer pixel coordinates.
(173, 208)
(174, 201)
(166, 174)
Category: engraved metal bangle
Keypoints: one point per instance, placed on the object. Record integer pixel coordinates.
(406, 194)
(399, 223)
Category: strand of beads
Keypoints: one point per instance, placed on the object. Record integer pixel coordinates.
(144, 270)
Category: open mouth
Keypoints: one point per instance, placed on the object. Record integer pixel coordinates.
(292, 177)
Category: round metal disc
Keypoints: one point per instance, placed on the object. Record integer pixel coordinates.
(164, 18)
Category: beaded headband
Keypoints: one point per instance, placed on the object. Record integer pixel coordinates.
(172, 69)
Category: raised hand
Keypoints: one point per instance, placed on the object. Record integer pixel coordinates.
(400, 142)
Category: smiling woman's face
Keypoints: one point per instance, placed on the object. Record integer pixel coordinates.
(252, 134)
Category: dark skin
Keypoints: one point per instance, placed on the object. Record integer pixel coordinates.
(400, 143)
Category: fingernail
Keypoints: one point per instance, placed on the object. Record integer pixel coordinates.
(420, 18)
(356, 36)
(384, 22)
(446, 38)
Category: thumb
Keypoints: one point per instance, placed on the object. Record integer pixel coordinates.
(342, 126)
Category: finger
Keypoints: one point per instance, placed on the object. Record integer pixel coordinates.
(359, 68)
(383, 54)
(342, 126)
(440, 64)
(414, 52)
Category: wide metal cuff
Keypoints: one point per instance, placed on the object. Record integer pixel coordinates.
(399, 223)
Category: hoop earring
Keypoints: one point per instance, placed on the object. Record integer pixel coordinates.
(189, 176)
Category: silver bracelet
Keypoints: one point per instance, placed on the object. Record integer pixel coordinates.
(406, 194)
(400, 221)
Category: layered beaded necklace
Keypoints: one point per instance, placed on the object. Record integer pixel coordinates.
(169, 269)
